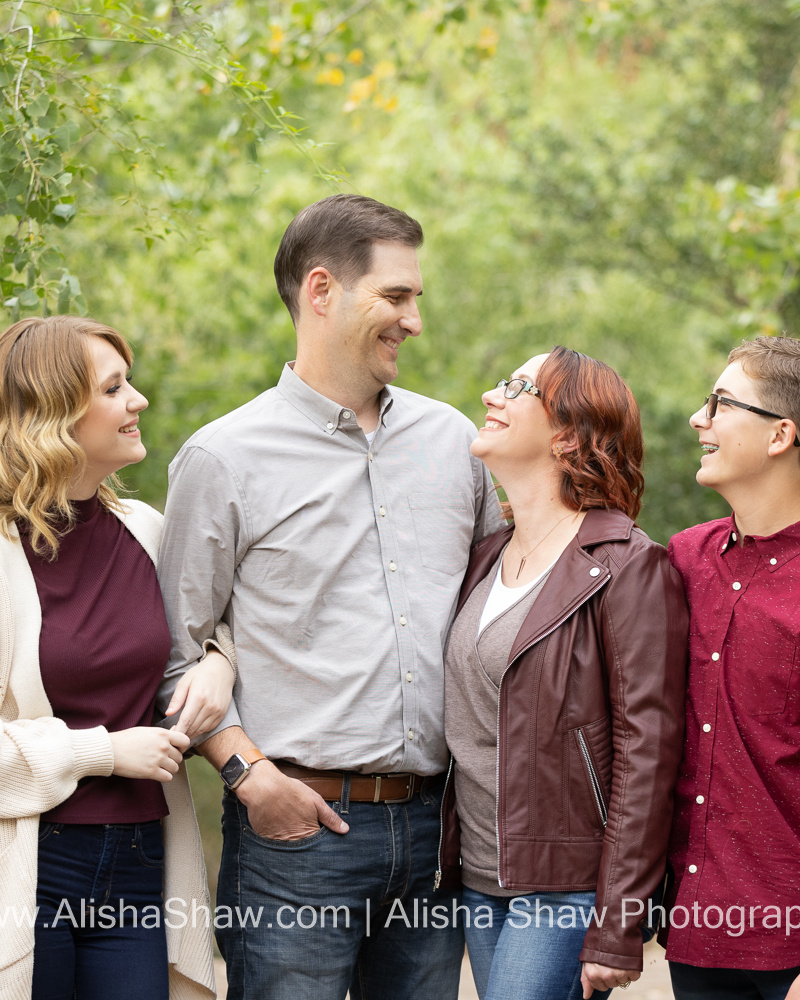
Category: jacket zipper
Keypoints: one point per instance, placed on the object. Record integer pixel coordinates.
(437, 878)
(595, 782)
(524, 649)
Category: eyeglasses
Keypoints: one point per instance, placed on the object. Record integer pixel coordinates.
(513, 387)
(714, 399)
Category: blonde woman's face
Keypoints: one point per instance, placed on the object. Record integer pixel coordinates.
(109, 432)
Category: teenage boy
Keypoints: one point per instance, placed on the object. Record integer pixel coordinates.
(733, 905)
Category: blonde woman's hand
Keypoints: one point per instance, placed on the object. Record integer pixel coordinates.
(204, 693)
(148, 752)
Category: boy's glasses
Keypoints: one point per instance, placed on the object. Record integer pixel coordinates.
(714, 399)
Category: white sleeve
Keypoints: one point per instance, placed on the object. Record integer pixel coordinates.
(42, 761)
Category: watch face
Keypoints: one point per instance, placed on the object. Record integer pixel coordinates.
(233, 770)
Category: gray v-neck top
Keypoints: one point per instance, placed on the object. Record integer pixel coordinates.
(474, 666)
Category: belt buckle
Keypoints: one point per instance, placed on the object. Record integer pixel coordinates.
(395, 802)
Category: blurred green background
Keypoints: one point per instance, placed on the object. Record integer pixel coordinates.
(619, 176)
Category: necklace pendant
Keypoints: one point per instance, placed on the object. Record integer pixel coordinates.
(521, 567)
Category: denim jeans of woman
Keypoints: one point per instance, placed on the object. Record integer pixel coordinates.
(526, 947)
(100, 926)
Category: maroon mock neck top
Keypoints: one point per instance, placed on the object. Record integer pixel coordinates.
(103, 648)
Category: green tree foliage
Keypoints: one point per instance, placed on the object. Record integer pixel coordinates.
(620, 176)
(617, 175)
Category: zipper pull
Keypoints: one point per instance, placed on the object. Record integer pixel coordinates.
(437, 879)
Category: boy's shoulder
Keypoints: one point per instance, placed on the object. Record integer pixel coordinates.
(694, 544)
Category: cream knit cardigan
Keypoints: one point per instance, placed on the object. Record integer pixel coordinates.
(41, 762)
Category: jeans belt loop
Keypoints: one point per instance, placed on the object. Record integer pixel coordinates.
(345, 800)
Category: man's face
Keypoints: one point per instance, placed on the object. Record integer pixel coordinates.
(735, 442)
(370, 320)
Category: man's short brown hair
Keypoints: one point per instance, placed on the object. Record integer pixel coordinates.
(338, 233)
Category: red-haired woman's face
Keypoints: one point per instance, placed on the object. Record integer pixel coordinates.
(515, 430)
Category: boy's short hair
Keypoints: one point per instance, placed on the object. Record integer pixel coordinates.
(773, 363)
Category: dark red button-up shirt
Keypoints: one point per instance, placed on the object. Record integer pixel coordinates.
(734, 900)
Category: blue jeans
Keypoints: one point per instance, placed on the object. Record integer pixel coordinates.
(690, 982)
(335, 912)
(520, 952)
(99, 928)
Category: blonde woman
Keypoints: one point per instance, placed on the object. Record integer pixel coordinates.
(94, 801)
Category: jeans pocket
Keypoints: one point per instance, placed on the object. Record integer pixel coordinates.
(46, 829)
(149, 843)
(285, 845)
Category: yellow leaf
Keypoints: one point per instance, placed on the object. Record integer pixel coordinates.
(383, 69)
(488, 39)
(356, 57)
(362, 89)
(277, 36)
(334, 77)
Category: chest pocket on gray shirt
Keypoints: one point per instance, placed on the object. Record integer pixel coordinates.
(443, 523)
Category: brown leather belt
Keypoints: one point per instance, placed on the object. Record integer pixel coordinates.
(395, 788)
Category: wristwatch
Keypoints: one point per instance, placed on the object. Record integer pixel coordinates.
(234, 770)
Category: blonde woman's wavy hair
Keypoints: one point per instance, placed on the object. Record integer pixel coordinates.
(47, 380)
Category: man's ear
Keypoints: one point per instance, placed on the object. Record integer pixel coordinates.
(318, 287)
(783, 438)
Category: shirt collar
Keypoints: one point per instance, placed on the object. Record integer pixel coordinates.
(774, 550)
(326, 414)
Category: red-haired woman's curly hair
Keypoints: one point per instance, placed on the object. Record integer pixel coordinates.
(586, 400)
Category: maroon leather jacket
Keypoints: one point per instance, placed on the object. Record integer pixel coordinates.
(590, 730)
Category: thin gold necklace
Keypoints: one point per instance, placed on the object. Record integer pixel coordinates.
(536, 546)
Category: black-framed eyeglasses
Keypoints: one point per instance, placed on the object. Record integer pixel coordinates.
(513, 387)
(714, 399)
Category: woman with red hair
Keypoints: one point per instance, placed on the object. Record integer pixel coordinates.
(564, 693)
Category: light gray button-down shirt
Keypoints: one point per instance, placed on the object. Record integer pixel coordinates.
(337, 563)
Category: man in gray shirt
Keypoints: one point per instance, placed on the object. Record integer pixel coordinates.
(329, 522)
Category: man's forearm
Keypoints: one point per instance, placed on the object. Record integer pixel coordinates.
(219, 748)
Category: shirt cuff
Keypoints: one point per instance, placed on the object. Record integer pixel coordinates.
(94, 754)
(223, 643)
(231, 718)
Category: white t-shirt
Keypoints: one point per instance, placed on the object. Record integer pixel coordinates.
(501, 597)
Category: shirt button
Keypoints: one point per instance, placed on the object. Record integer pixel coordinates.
(692, 869)
(773, 562)
(411, 734)
(330, 426)
(737, 585)
(409, 677)
(594, 571)
(700, 799)
(715, 657)
(706, 728)
(402, 620)
(346, 414)
(392, 566)
(370, 456)
(735, 537)
(382, 511)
